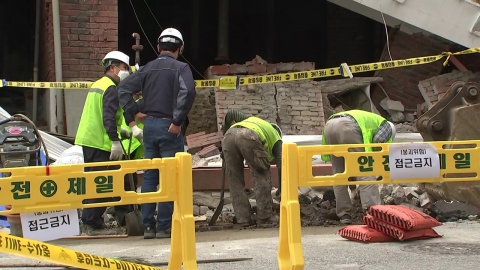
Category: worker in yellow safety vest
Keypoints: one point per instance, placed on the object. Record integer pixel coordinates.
(136, 149)
(99, 135)
(259, 143)
(355, 127)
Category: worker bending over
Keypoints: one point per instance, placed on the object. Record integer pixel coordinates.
(258, 142)
(355, 127)
(168, 89)
(98, 134)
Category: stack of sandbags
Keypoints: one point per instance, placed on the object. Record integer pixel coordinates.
(392, 223)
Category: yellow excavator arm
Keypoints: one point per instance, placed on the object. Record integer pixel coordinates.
(455, 117)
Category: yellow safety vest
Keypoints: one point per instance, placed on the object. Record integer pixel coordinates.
(368, 123)
(268, 135)
(135, 142)
(91, 131)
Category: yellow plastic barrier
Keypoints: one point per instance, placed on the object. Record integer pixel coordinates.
(459, 164)
(54, 254)
(62, 187)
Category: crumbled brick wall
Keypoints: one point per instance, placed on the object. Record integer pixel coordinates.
(432, 89)
(402, 83)
(89, 30)
(203, 115)
(295, 106)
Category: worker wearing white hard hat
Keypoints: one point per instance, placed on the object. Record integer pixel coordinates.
(98, 134)
(356, 127)
(168, 91)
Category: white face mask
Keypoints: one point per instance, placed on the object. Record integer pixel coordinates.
(122, 74)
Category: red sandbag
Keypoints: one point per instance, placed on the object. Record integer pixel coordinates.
(364, 234)
(403, 217)
(398, 233)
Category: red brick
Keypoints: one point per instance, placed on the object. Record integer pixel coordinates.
(208, 151)
(237, 69)
(257, 69)
(284, 67)
(302, 66)
(271, 68)
(219, 70)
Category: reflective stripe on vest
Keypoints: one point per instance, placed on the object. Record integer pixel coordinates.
(268, 135)
(91, 131)
(368, 123)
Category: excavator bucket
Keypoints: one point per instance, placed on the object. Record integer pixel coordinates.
(455, 117)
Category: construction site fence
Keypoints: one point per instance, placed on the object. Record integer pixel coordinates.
(63, 187)
(234, 82)
(396, 163)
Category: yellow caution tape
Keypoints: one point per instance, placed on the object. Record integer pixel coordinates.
(233, 82)
(54, 254)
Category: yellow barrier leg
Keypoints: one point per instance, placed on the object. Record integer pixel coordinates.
(290, 252)
(183, 246)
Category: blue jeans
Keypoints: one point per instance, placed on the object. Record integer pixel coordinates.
(158, 143)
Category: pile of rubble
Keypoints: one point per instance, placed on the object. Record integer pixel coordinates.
(317, 208)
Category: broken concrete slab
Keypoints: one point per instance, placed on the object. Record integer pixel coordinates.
(425, 200)
(204, 199)
(196, 210)
(394, 105)
(451, 211)
(394, 109)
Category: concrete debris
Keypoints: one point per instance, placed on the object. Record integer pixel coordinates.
(406, 128)
(409, 117)
(425, 200)
(394, 108)
(453, 211)
(206, 199)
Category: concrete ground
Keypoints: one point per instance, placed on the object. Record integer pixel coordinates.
(458, 249)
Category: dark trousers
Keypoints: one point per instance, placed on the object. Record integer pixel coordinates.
(93, 217)
(158, 143)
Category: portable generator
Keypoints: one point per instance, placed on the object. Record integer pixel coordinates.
(20, 143)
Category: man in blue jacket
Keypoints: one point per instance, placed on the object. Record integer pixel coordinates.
(168, 91)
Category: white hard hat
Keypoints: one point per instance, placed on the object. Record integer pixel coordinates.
(394, 129)
(170, 35)
(115, 56)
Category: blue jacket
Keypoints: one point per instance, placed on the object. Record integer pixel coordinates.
(167, 86)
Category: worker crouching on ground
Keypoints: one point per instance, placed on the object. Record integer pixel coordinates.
(98, 134)
(258, 142)
(355, 127)
(168, 89)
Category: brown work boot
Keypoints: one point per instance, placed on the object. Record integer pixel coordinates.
(103, 231)
(268, 222)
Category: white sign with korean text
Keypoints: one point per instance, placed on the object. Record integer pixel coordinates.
(50, 225)
(414, 160)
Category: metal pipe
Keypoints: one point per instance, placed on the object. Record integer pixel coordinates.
(36, 58)
(223, 14)
(58, 98)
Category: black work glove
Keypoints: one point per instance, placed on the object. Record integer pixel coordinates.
(221, 155)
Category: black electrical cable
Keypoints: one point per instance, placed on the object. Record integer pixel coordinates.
(161, 28)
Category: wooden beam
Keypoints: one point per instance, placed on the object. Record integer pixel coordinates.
(457, 63)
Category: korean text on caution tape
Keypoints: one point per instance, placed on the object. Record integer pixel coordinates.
(233, 82)
(54, 254)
